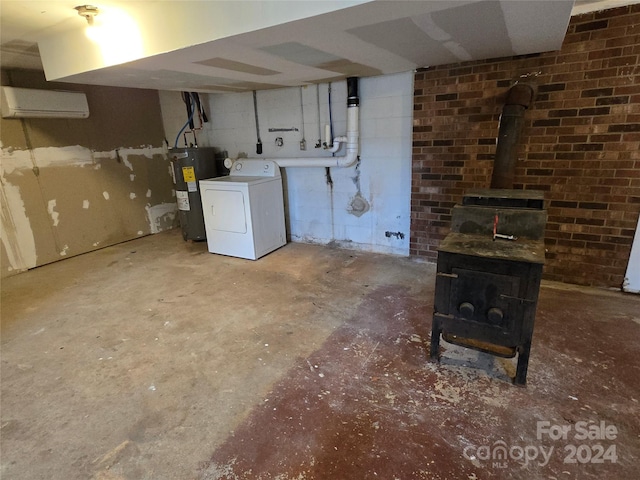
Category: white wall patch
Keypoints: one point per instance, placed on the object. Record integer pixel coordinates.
(132, 195)
(85, 204)
(161, 216)
(17, 235)
(15, 160)
(149, 193)
(127, 163)
(75, 155)
(51, 210)
(105, 195)
(132, 177)
(147, 151)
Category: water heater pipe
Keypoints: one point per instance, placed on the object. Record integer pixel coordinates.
(351, 139)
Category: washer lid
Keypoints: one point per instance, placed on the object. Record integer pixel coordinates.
(237, 180)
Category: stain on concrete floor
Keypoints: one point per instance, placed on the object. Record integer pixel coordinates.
(368, 405)
(156, 360)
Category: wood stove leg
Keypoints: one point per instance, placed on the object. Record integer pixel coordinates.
(436, 330)
(523, 364)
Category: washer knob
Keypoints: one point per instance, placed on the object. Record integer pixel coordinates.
(238, 166)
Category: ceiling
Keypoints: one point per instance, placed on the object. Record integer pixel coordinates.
(357, 38)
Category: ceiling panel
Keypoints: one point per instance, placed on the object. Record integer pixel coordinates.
(298, 53)
(236, 66)
(357, 38)
(477, 42)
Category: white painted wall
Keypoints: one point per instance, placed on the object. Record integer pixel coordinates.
(632, 278)
(316, 212)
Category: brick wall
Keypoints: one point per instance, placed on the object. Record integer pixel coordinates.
(580, 144)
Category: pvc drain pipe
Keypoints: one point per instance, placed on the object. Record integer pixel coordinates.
(351, 139)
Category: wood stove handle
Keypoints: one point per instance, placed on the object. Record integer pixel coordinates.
(495, 315)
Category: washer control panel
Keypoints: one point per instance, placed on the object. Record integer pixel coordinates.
(255, 168)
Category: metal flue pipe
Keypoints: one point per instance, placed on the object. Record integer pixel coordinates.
(518, 100)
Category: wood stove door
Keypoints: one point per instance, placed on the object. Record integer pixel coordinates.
(487, 299)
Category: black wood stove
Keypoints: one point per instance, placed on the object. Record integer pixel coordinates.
(488, 275)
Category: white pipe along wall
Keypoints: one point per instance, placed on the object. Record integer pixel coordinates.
(352, 140)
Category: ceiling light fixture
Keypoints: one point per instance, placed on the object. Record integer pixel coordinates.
(88, 12)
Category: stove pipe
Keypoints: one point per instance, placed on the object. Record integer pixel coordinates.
(504, 165)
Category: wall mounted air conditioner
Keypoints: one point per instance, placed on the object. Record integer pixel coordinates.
(33, 103)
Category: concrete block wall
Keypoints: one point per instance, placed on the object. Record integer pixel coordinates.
(319, 211)
(580, 144)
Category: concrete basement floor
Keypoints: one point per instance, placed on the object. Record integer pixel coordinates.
(154, 359)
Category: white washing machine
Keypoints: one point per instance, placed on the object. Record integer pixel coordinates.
(244, 212)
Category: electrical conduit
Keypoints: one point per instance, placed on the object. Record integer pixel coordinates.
(192, 111)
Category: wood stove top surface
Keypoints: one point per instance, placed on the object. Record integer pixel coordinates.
(520, 250)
